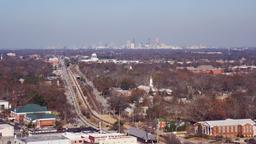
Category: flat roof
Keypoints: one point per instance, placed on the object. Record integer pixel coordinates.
(2, 126)
(44, 137)
(74, 136)
(3, 101)
(105, 134)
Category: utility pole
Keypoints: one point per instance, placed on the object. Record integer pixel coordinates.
(100, 127)
(119, 123)
(157, 131)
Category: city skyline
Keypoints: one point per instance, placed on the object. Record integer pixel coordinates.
(40, 24)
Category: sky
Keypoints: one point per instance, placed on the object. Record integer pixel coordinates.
(44, 23)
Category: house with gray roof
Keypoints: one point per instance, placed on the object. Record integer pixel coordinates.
(142, 135)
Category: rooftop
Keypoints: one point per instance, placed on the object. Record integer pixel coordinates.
(45, 137)
(229, 122)
(30, 108)
(75, 136)
(140, 134)
(35, 116)
(4, 126)
(3, 101)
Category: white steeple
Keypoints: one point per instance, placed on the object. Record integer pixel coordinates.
(151, 82)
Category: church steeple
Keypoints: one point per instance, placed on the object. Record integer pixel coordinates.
(151, 85)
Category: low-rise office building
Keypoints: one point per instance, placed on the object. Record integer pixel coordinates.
(226, 128)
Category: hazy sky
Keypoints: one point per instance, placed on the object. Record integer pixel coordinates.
(42, 23)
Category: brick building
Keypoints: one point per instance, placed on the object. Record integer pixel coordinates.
(226, 128)
(38, 115)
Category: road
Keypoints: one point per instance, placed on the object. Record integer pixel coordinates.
(69, 84)
(80, 100)
(77, 95)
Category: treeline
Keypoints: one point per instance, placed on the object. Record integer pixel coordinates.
(194, 97)
(24, 81)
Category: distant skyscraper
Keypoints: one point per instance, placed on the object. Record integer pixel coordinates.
(130, 44)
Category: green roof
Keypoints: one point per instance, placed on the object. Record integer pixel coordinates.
(35, 116)
(30, 108)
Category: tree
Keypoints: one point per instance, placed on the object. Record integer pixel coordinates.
(127, 83)
(116, 126)
(172, 139)
(136, 94)
(118, 103)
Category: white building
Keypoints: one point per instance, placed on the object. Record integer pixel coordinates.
(53, 61)
(6, 130)
(100, 138)
(76, 138)
(112, 138)
(10, 54)
(93, 58)
(4, 105)
(43, 139)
